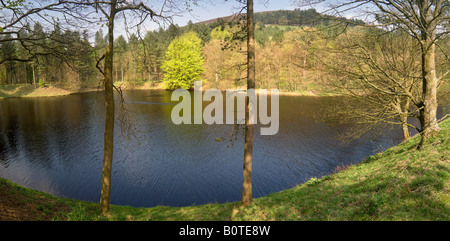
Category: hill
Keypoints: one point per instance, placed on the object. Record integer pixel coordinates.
(295, 17)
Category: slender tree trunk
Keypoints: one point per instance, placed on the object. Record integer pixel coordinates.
(404, 119)
(110, 113)
(34, 77)
(117, 72)
(60, 73)
(248, 148)
(155, 70)
(25, 72)
(121, 66)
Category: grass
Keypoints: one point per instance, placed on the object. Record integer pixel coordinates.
(30, 91)
(12, 91)
(402, 183)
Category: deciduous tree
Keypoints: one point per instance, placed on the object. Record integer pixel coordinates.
(251, 67)
(424, 20)
(184, 62)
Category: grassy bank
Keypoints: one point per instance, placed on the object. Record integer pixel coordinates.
(30, 91)
(400, 184)
(23, 91)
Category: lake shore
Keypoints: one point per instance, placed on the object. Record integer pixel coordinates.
(29, 91)
(402, 183)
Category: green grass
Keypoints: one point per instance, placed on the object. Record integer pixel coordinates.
(402, 183)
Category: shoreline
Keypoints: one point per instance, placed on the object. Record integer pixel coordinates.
(28, 91)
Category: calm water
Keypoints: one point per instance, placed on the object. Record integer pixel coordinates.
(56, 145)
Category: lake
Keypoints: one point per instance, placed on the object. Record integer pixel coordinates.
(55, 145)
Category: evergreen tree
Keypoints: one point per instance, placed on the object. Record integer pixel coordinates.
(8, 51)
(154, 55)
(120, 47)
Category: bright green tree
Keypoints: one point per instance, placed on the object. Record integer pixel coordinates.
(184, 62)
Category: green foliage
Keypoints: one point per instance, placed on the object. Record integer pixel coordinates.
(42, 83)
(184, 62)
(298, 17)
(220, 33)
(313, 181)
(10, 4)
(265, 34)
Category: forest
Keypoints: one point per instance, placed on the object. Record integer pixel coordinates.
(290, 56)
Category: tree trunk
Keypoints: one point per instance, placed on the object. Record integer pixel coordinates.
(404, 119)
(429, 109)
(430, 105)
(121, 67)
(110, 113)
(60, 73)
(25, 72)
(248, 148)
(155, 70)
(34, 77)
(117, 72)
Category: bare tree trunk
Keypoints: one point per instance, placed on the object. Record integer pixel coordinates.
(404, 119)
(25, 76)
(117, 72)
(34, 77)
(430, 82)
(121, 66)
(248, 148)
(110, 113)
(429, 108)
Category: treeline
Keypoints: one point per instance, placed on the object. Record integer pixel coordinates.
(60, 57)
(289, 57)
(67, 57)
(298, 17)
(286, 58)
